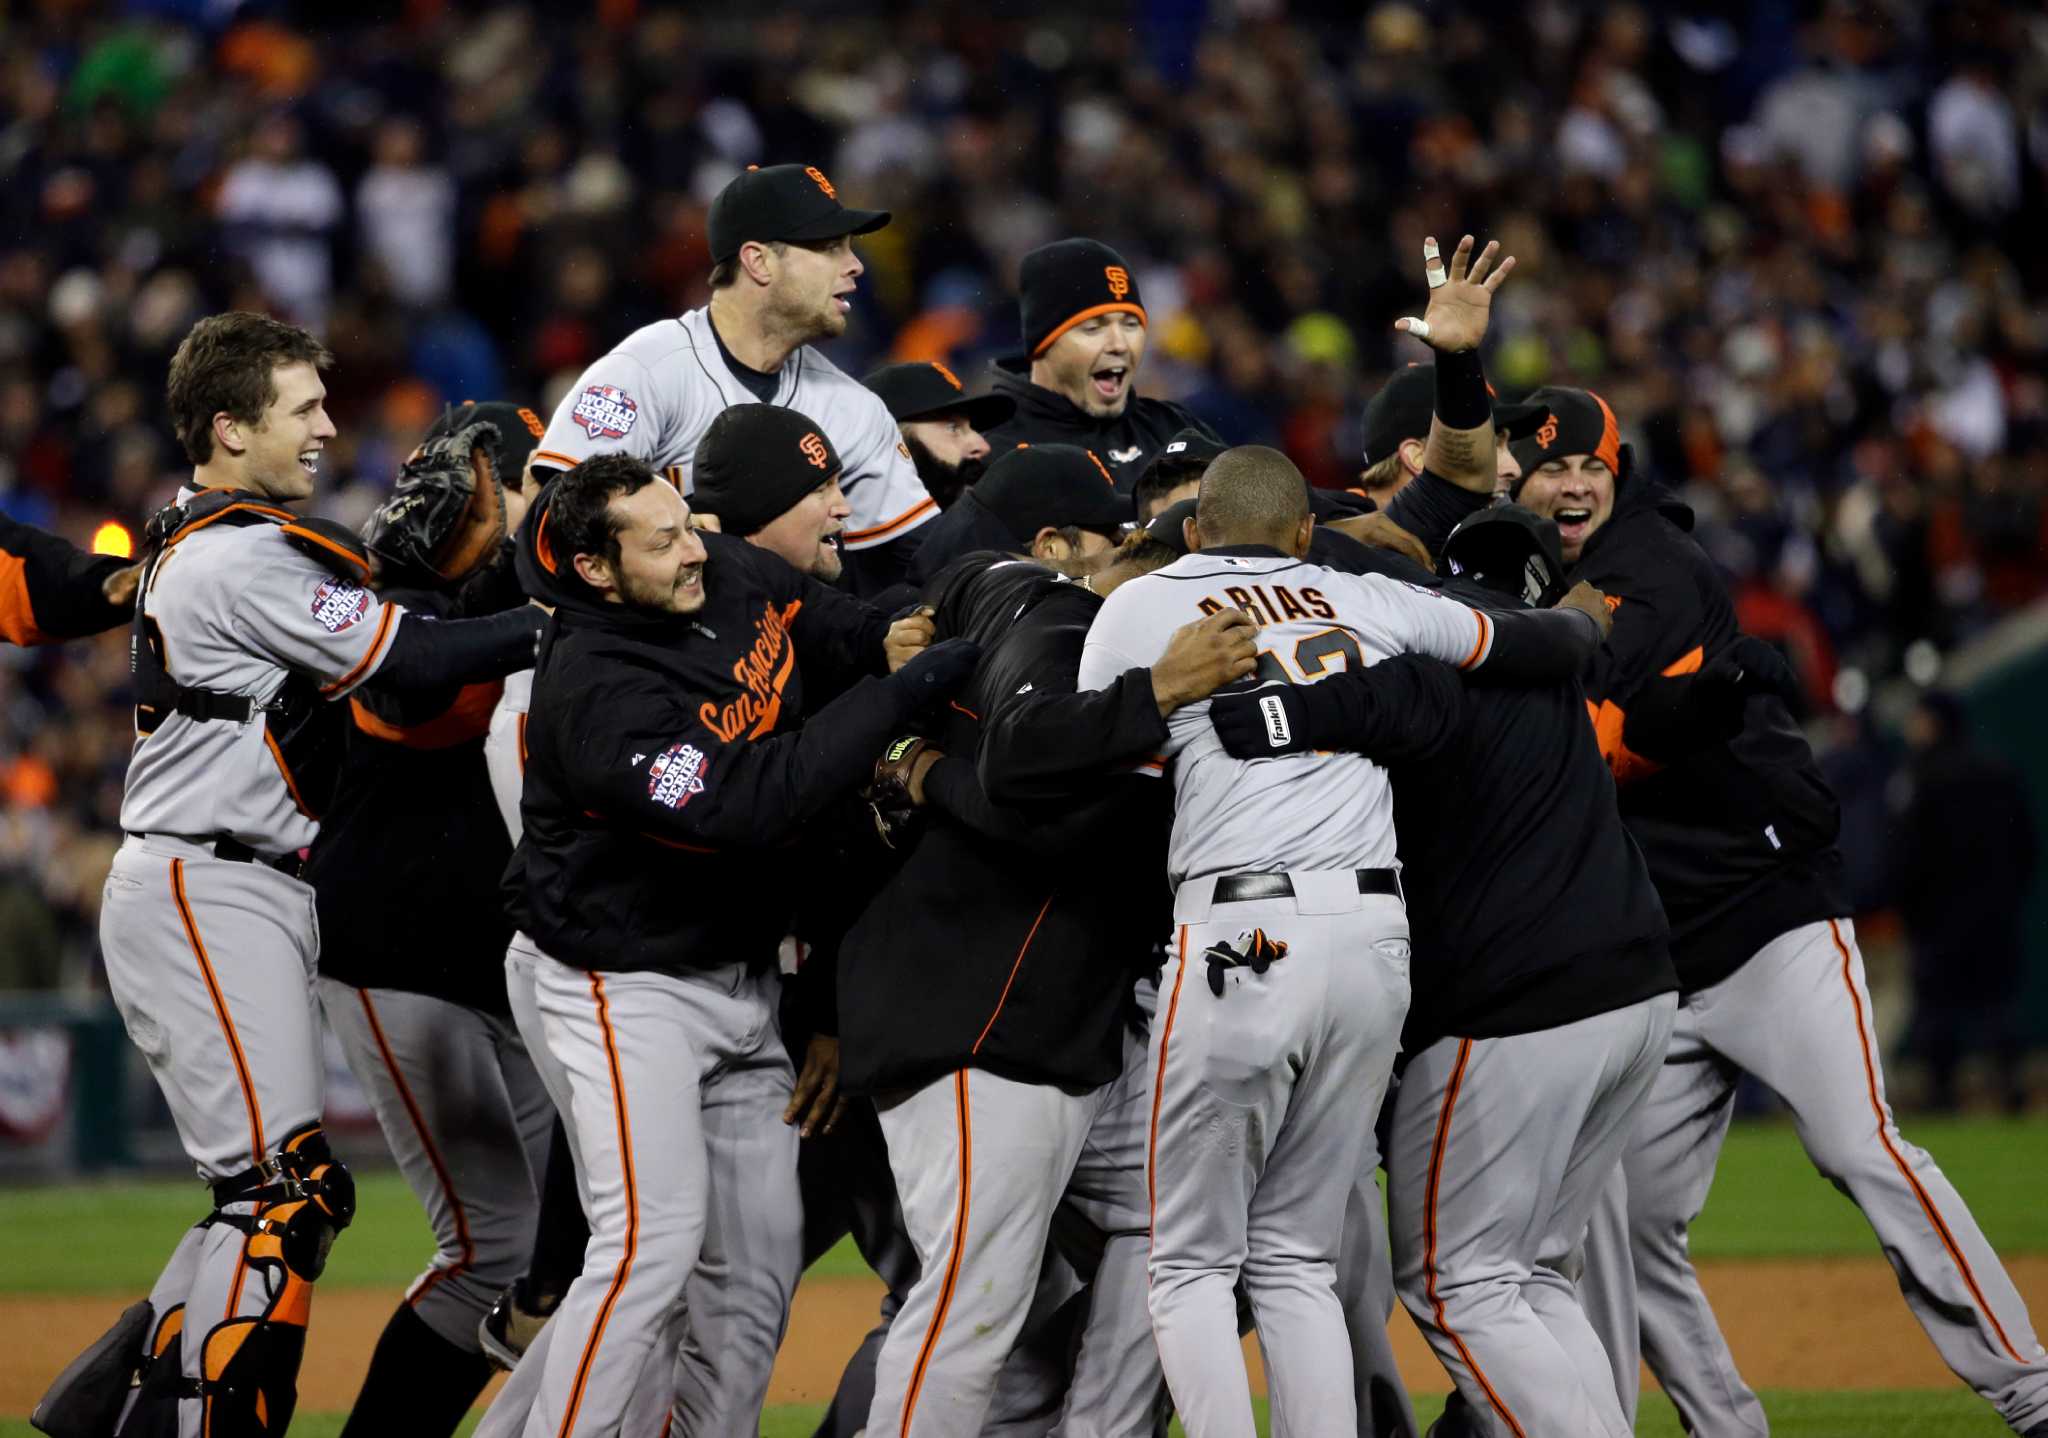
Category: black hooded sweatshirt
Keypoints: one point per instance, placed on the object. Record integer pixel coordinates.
(1011, 936)
(1125, 444)
(1739, 837)
(669, 767)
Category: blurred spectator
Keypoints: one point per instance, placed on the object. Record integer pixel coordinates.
(279, 209)
(1965, 861)
(406, 209)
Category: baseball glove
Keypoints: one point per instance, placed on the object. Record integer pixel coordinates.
(897, 817)
(446, 515)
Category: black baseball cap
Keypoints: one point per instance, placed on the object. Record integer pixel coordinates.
(519, 431)
(1555, 421)
(1040, 486)
(1406, 404)
(927, 390)
(1169, 526)
(782, 202)
(755, 462)
(1509, 550)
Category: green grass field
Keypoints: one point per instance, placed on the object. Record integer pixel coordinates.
(1767, 1203)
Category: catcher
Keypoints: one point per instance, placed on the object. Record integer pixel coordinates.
(412, 977)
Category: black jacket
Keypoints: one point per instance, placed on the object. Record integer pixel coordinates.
(1740, 837)
(1125, 444)
(1010, 938)
(407, 865)
(51, 590)
(670, 766)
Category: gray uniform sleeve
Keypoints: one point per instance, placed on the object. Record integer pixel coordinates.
(887, 498)
(1426, 621)
(313, 621)
(614, 408)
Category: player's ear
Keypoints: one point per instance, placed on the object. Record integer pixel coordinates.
(1050, 544)
(1302, 533)
(1411, 452)
(596, 571)
(229, 433)
(757, 260)
(1189, 535)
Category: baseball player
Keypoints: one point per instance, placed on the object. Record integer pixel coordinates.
(783, 275)
(1290, 920)
(1077, 380)
(983, 998)
(406, 870)
(249, 621)
(1052, 502)
(1740, 838)
(665, 767)
(944, 427)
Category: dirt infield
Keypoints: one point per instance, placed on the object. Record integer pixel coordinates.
(1808, 1324)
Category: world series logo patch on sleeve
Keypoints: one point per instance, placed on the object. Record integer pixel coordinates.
(337, 604)
(676, 775)
(606, 412)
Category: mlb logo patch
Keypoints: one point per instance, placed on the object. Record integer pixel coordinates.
(337, 604)
(677, 775)
(606, 412)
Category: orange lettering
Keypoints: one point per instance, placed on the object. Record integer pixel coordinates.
(818, 179)
(814, 449)
(1546, 436)
(763, 672)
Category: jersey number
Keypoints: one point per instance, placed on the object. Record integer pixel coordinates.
(1312, 658)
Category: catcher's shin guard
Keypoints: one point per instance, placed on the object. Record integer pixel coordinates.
(289, 1207)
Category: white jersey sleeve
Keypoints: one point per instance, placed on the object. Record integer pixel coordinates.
(613, 408)
(1421, 621)
(880, 479)
(310, 619)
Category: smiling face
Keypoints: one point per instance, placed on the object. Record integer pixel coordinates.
(660, 562)
(812, 290)
(279, 455)
(806, 534)
(1094, 364)
(1576, 490)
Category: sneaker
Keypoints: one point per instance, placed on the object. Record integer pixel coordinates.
(509, 1329)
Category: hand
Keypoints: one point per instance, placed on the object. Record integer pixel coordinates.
(119, 587)
(938, 670)
(1753, 666)
(1588, 600)
(908, 636)
(1460, 305)
(817, 1098)
(1204, 656)
(1261, 723)
(1376, 531)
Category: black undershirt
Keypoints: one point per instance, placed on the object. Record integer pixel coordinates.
(761, 386)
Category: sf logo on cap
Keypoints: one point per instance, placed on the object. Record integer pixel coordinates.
(1119, 280)
(1547, 435)
(818, 178)
(814, 449)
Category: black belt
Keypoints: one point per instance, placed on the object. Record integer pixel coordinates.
(291, 865)
(1236, 888)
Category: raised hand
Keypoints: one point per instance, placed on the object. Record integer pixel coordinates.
(1460, 299)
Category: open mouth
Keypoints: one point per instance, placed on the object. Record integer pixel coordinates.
(691, 582)
(1573, 523)
(1109, 381)
(309, 461)
(844, 301)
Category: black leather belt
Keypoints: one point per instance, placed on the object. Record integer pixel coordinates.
(291, 865)
(1236, 888)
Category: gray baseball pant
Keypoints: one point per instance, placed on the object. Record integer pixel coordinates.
(1798, 1016)
(1365, 1290)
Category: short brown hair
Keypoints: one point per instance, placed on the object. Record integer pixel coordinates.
(224, 366)
(726, 272)
(1386, 474)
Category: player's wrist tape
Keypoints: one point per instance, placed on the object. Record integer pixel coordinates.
(1462, 401)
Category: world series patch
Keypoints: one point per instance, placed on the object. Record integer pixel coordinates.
(606, 412)
(337, 604)
(676, 775)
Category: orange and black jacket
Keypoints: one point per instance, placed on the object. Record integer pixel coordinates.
(1125, 444)
(673, 761)
(1010, 938)
(406, 868)
(1739, 836)
(51, 590)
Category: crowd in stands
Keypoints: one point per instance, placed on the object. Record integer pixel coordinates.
(1794, 243)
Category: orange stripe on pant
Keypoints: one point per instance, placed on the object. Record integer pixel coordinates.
(1159, 1086)
(441, 1174)
(257, 1148)
(931, 1337)
(618, 1284)
(1436, 1173)
(1948, 1241)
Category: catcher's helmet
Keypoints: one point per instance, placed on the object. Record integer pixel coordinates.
(1510, 550)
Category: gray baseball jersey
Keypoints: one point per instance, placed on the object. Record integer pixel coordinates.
(1304, 811)
(238, 610)
(657, 392)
